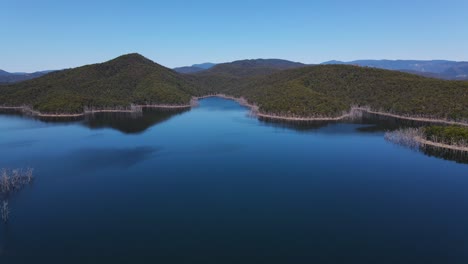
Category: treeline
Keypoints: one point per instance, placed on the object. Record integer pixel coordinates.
(452, 135)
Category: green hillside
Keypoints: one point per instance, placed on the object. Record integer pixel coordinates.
(225, 76)
(117, 83)
(249, 68)
(276, 86)
(331, 89)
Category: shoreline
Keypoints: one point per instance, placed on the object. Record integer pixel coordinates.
(286, 118)
(439, 145)
(419, 119)
(353, 111)
(242, 101)
(136, 109)
(415, 138)
(254, 111)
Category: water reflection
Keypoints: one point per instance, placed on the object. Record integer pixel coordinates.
(131, 123)
(99, 158)
(18, 144)
(300, 126)
(368, 123)
(179, 189)
(135, 123)
(128, 123)
(446, 154)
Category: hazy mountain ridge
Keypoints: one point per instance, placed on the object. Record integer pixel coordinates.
(442, 69)
(194, 68)
(8, 77)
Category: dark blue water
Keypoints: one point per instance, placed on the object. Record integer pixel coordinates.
(212, 185)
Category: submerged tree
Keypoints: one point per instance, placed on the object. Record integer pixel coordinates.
(4, 211)
(12, 181)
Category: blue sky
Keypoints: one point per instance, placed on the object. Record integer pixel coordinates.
(40, 35)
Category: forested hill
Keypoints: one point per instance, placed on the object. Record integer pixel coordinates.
(248, 68)
(277, 87)
(331, 89)
(234, 74)
(119, 82)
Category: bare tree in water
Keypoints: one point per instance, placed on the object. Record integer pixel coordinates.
(12, 181)
(5, 211)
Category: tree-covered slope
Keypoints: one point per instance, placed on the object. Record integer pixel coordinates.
(128, 79)
(249, 68)
(277, 87)
(331, 89)
(229, 75)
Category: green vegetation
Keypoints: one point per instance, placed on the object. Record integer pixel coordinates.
(230, 76)
(331, 89)
(447, 134)
(129, 79)
(249, 68)
(453, 138)
(275, 86)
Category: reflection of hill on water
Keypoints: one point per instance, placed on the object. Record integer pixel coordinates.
(370, 123)
(446, 154)
(127, 123)
(130, 123)
(302, 126)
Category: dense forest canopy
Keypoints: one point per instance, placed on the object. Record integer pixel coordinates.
(276, 86)
(129, 79)
(447, 134)
(329, 89)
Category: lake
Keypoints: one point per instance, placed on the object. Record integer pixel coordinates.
(214, 185)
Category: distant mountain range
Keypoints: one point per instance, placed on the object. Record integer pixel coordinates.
(442, 69)
(195, 68)
(7, 77)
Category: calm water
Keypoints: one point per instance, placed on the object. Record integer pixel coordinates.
(212, 185)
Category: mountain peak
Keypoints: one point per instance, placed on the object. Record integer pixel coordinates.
(132, 58)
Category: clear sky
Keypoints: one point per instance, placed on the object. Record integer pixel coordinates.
(50, 34)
